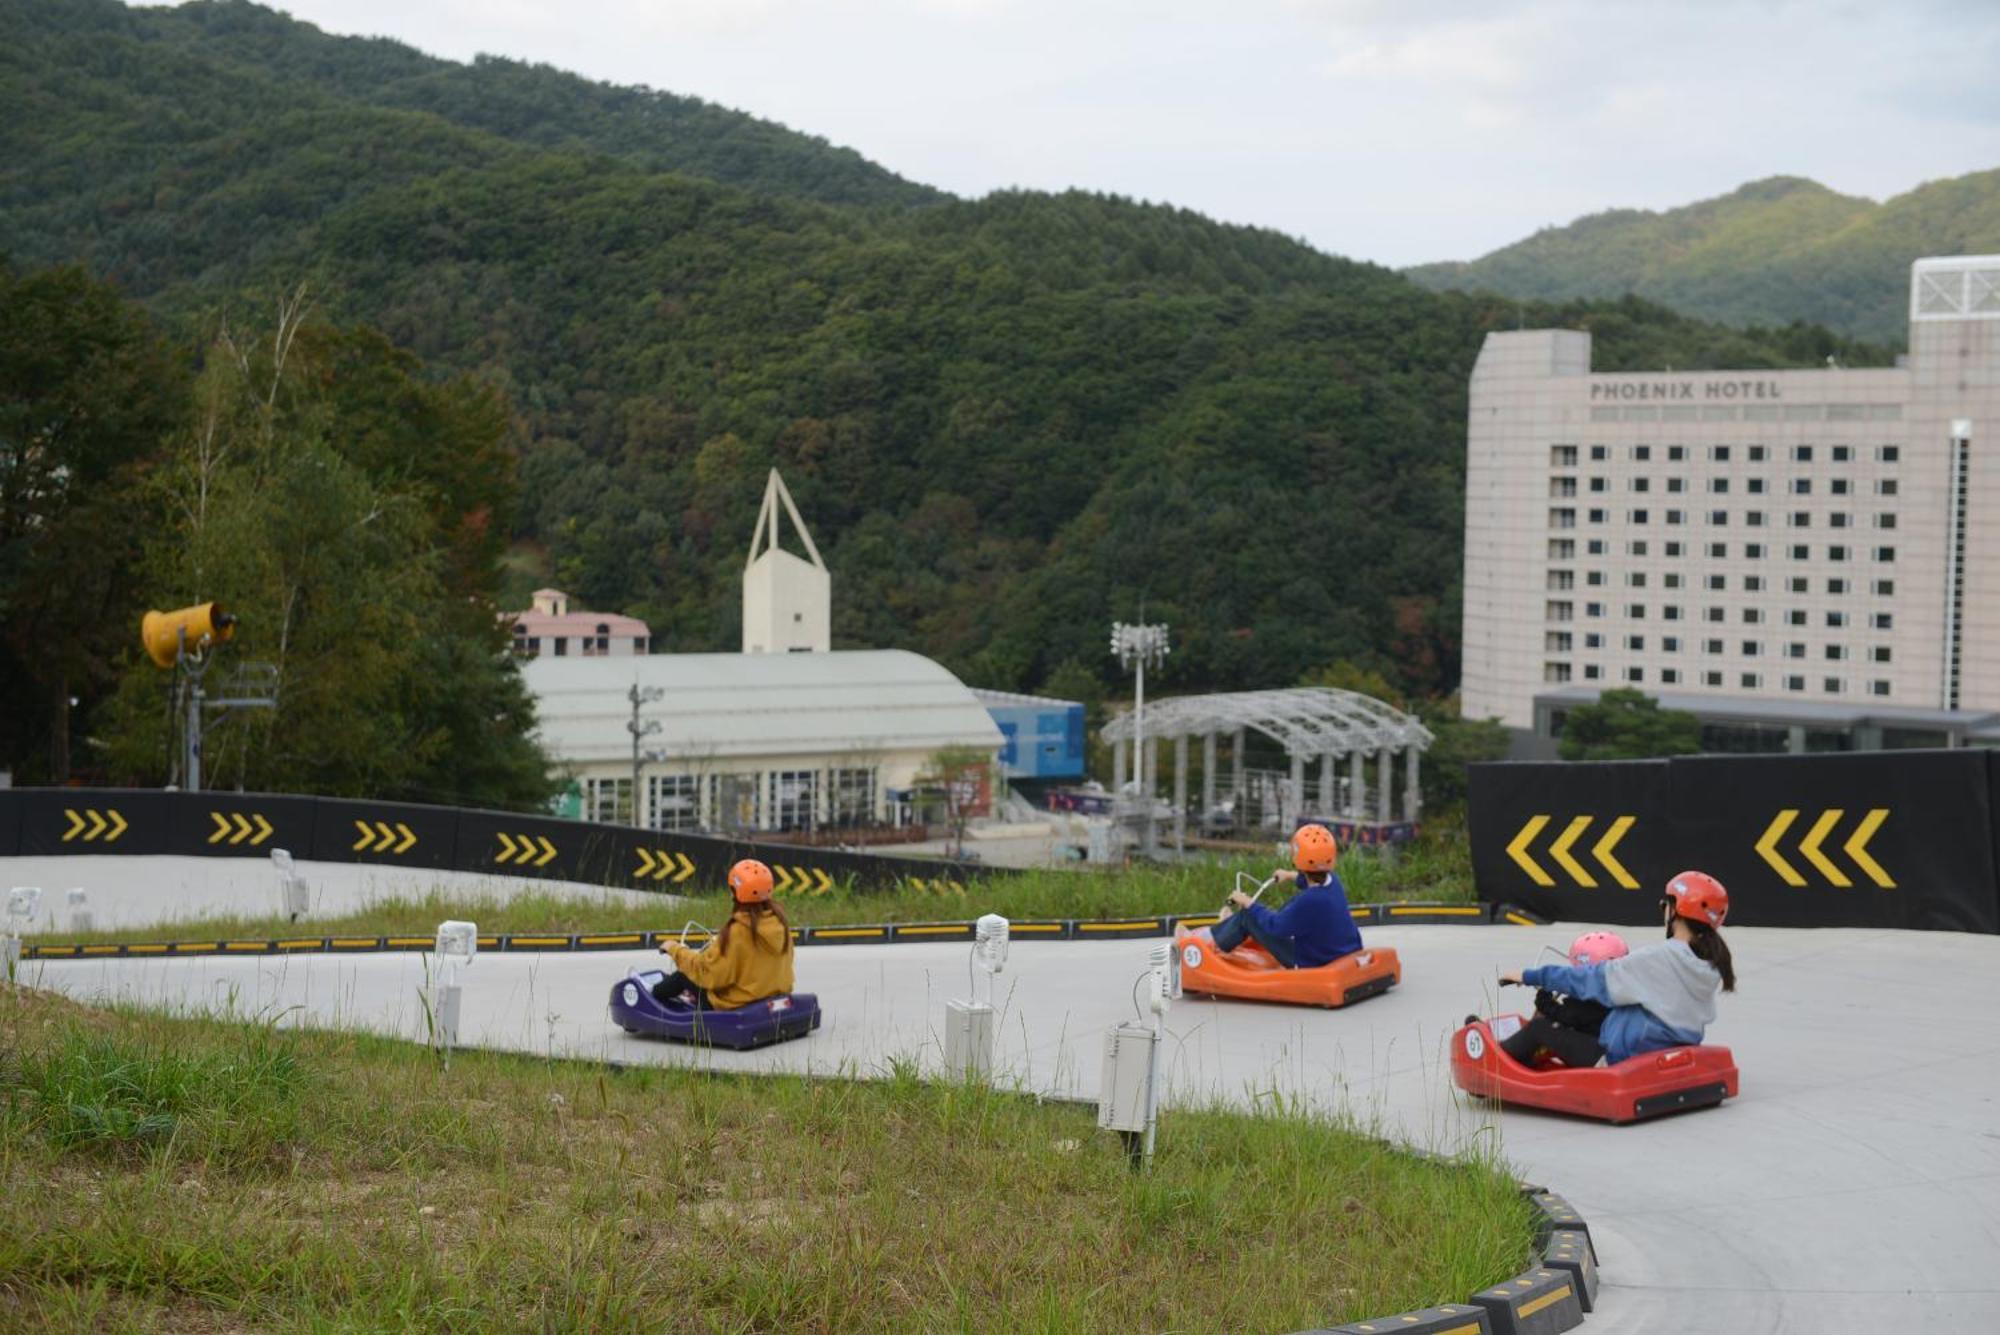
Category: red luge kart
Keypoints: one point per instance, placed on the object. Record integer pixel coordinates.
(1670, 1080)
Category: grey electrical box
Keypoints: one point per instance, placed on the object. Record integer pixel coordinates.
(1126, 1089)
(968, 1039)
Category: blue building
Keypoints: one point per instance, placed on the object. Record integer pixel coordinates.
(1040, 738)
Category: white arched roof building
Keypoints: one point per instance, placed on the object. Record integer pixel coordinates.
(753, 741)
(1317, 726)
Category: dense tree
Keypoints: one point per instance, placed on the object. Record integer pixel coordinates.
(1626, 724)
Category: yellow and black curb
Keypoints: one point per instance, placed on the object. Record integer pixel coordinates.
(1548, 1297)
(853, 934)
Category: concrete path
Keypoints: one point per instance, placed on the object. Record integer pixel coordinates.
(1855, 1185)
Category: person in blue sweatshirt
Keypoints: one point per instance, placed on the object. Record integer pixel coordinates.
(1314, 927)
(1660, 997)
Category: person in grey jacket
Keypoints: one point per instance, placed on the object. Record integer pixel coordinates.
(1660, 997)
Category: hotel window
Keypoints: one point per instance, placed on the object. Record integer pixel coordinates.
(1885, 588)
(1711, 679)
(1670, 676)
(1718, 518)
(1642, 452)
(1562, 456)
(1593, 609)
(1837, 520)
(1885, 553)
(1562, 579)
(1637, 516)
(1879, 687)
(1796, 617)
(1593, 640)
(1598, 484)
(1838, 486)
(1676, 453)
(1673, 549)
(1718, 454)
(1635, 674)
(1591, 672)
(1885, 486)
(1836, 586)
(1750, 681)
(1641, 484)
(1883, 621)
(1753, 584)
(1836, 619)
(1836, 652)
(1879, 654)
(1716, 614)
(1887, 454)
(1718, 551)
(1635, 579)
(1753, 616)
(1757, 454)
(1594, 546)
(1715, 582)
(1718, 486)
(1597, 516)
(1636, 548)
(1836, 553)
(1795, 683)
(1885, 521)
(1555, 672)
(1842, 454)
(1598, 453)
(1562, 549)
(1754, 518)
(1801, 454)
(1560, 487)
(1675, 486)
(1558, 611)
(1562, 518)
(1670, 644)
(1752, 648)
(1795, 650)
(1753, 551)
(1636, 611)
(1832, 685)
(1711, 646)
(1672, 611)
(1674, 516)
(1593, 578)
(1636, 643)
(1801, 486)
(1673, 581)
(1755, 486)
(1799, 552)
(1800, 519)
(1557, 641)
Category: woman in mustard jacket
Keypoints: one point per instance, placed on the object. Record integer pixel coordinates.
(748, 960)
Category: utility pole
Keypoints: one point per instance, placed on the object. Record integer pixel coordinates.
(640, 696)
(1134, 646)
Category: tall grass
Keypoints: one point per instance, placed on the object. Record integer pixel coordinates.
(354, 1185)
(1436, 867)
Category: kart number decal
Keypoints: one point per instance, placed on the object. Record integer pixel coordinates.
(1475, 1044)
(1191, 956)
(782, 1004)
(631, 995)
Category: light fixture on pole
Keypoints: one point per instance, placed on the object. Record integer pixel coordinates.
(1134, 646)
(641, 696)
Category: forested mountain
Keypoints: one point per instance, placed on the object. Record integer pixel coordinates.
(1008, 421)
(1770, 252)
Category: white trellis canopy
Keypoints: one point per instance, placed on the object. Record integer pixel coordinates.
(1307, 721)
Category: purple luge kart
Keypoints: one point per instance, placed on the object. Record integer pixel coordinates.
(636, 1010)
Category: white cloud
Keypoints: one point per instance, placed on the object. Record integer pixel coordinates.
(1394, 130)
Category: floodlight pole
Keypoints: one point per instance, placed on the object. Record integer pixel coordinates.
(640, 696)
(1134, 645)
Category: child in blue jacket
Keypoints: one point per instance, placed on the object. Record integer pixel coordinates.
(1314, 927)
(1660, 997)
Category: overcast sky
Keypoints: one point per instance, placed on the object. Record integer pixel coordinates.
(1390, 130)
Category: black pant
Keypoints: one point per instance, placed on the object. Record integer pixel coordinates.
(1571, 1047)
(1231, 931)
(676, 983)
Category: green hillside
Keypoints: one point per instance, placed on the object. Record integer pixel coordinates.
(1008, 421)
(1771, 252)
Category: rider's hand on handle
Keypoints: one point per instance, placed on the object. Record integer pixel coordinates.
(1284, 874)
(1511, 980)
(1239, 899)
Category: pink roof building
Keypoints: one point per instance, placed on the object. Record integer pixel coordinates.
(550, 627)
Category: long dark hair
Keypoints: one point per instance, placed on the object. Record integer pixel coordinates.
(1709, 945)
(753, 912)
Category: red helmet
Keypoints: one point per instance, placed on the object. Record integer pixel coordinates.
(1698, 897)
(1597, 947)
(750, 881)
(1313, 848)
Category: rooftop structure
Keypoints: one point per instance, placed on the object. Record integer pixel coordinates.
(551, 627)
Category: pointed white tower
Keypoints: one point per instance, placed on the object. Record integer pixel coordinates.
(787, 602)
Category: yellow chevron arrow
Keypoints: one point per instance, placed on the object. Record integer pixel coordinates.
(784, 878)
(75, 825)
(1601, 850)
(687, 868)
(96, 823)
(506, 848)
(221, 827)
(1518, 850)
(1810, 847)
(118, 826)
(1856, 847)
(548, 852)
(409, 837)
(242, 829)
(645, 865)
(367, 836)
(1559, 850)
(264, 827)
(825, 881)
(918, 883)
(802, 879)
(1767, 847)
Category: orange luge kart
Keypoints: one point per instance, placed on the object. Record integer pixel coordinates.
(1249, 972)
(1652, 1083)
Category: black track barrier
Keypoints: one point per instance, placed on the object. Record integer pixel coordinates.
(46, 821)
(1887, 839)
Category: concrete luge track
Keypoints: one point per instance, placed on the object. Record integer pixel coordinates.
(1855, 1185)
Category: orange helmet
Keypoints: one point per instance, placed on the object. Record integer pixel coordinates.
(1698, 897)
(1313, 848)
(750, 881)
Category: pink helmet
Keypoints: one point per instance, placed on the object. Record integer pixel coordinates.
(1597, 947)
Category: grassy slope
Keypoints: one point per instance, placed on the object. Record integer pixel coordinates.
(1770, 252)
(200, 1175)
(1434, 869)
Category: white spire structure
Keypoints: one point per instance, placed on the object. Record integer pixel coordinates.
(787, 600)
